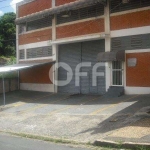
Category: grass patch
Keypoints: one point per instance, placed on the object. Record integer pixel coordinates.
(73, 143)
(59, 141)
(43, 138)
(142, 148)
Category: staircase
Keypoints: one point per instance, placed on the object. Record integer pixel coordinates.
(115, 91)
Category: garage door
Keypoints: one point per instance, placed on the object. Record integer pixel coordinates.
(73, 54)
(89, 54)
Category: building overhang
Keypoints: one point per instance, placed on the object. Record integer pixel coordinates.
(57, 10)
(21, 66)
(111, 56)
(81, 38)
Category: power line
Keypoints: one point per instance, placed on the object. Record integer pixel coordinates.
(116, 6)
(3, 1)
(7, 6)
(8, 40)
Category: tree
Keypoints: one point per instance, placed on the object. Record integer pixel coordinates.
(8, 34)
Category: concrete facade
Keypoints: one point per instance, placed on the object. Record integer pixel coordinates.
(123, 27)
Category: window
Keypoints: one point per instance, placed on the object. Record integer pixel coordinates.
(116, 43)
(136, 42)
(122, 5)
(21, 54)
(22, 28)
(82, 13)
(39, 52)
(40, 23)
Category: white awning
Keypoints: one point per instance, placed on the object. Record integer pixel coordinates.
(17, 67)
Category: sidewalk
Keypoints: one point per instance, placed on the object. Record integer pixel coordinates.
(79, 128)
(132, 135)
(138, 132)
(84, 119)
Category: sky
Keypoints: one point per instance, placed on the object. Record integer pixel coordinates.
(8, 6)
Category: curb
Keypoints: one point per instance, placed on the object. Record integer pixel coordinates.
(42, 138)
(128, 145)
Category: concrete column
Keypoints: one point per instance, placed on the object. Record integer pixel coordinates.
(55, 50)
(107, 43)
(25, 51)
(53, 3)
(55, 70)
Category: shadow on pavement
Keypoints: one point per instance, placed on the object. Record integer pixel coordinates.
(125, 117)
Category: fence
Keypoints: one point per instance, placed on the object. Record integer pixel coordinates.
(10, 85)
(2, 62)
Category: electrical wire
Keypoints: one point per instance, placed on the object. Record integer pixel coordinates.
(2, 1)
(7, 6)
(116, 6)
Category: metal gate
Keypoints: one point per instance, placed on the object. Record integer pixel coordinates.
(117, 73)
(71, 55)
(75, 53)
(89, 54)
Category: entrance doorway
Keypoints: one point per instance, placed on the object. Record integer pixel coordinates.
(117, 73)
(74, 54)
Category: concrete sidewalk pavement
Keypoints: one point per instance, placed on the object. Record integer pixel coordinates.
(80, 118)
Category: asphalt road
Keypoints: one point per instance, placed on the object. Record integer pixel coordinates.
(8, 142)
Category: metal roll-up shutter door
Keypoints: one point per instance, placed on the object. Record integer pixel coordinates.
(71, 55)
(89, 54)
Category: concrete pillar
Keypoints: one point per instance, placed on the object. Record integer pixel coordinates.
(55, 50)
(107, 43)
(55, 70)
(53, 3)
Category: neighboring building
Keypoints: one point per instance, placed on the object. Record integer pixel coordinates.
(74, 31)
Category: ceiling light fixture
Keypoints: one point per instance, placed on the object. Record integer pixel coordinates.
(125, 1)
(66, 15)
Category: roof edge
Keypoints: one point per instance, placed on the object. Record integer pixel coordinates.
(57, 10)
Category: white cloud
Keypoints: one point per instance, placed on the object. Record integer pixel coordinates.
(13, 4)
(1, 13)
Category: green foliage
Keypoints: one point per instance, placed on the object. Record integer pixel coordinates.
(142, 148)
(9, 75)
(11, 60)
(7, 34)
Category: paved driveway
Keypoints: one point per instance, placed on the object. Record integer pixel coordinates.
(48, 103)
(77, 117)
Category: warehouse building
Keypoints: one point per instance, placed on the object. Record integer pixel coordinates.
(115, 33)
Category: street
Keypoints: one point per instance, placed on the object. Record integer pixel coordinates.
(8, 142)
